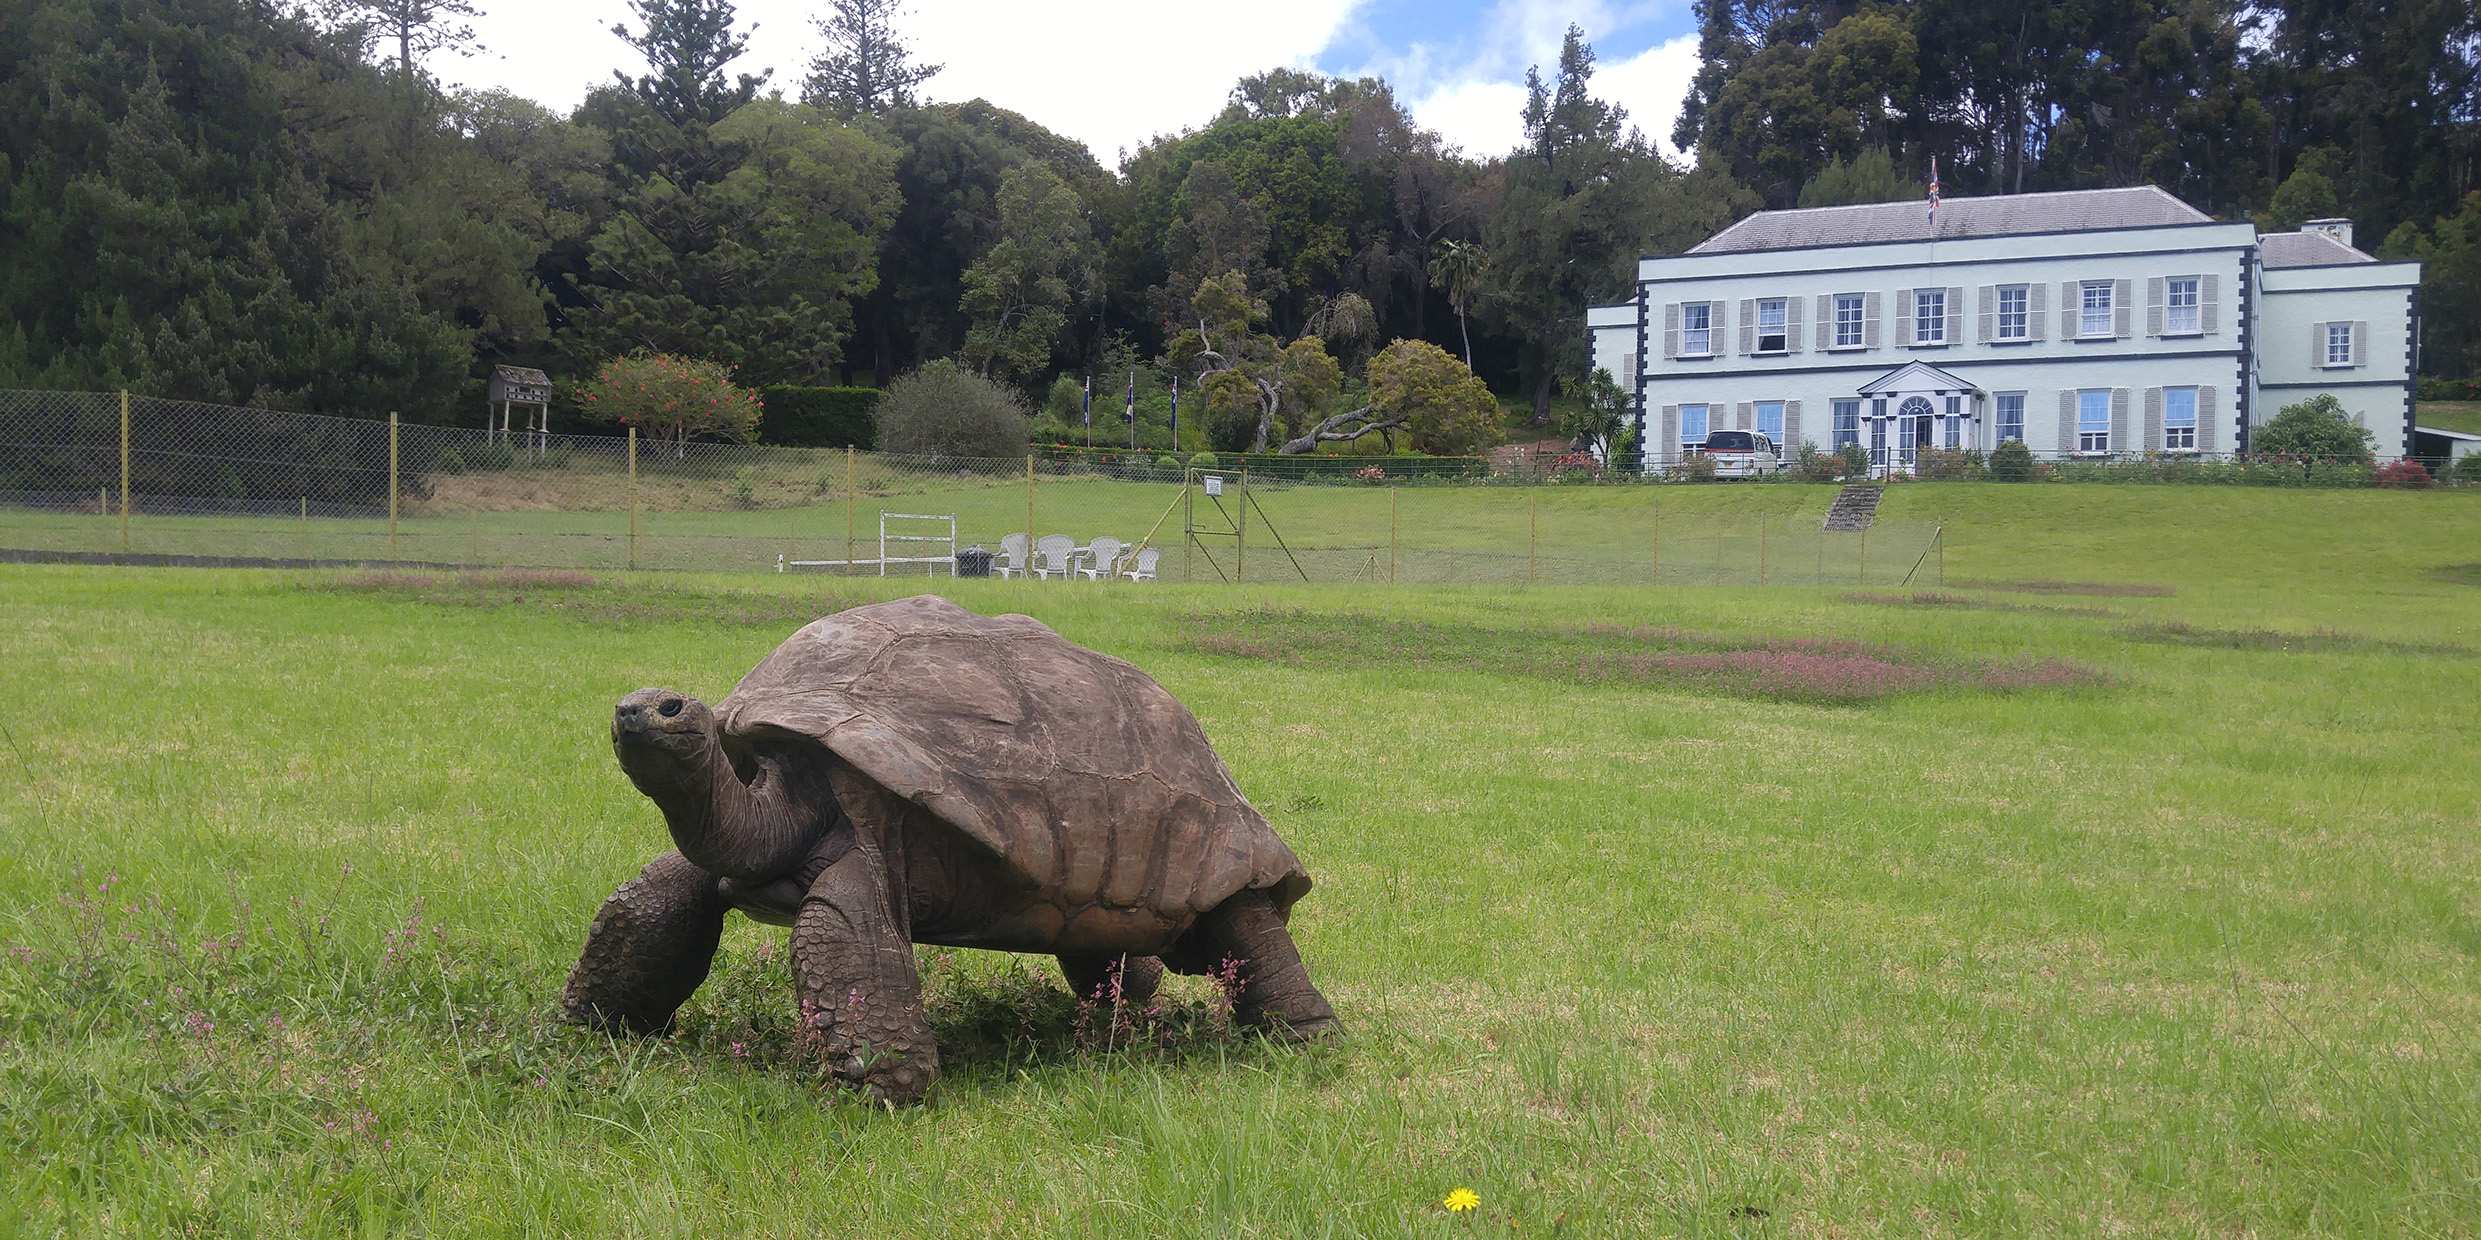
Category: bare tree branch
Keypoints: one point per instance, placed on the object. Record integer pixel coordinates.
(1331, 430)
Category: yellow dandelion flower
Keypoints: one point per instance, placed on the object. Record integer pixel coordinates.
(1461, 1200)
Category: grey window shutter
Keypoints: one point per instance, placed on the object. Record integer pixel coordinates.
(2155, 294)
(2119, 419)
(1671, 330)
(1791, 427)
(2153, 418)
(1869, 320)
(2037, 311)
(2067, 420)
(2317, 344)
(1669, 444)
(2122, 292)
(2209, 289)
(1903, 317)
(1826, 322)
(1748, 326)
(1791, 324)
(1740, 417)
(2205, 417)
(1989, 309)
(2069, 308)
(2360, 344)
(1955, 317)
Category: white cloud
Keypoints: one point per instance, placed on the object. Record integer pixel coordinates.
(1109, 73)
(1485, 118)
(1652, 85)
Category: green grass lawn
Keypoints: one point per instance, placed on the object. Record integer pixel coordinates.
(297, 867)
(2449, 415)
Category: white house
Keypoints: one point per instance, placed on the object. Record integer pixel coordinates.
(2086, 323)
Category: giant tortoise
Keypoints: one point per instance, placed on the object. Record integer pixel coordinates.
(910, 772)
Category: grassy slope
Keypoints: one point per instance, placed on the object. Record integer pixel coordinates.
(2196, 953)
(2449, 415)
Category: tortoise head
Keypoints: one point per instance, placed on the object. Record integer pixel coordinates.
(661, 737)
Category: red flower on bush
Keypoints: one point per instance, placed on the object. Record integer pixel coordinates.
(2405, 475)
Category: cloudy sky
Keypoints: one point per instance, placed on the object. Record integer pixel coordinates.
(1112, 73)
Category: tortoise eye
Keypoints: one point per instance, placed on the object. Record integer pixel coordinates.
(670, 708)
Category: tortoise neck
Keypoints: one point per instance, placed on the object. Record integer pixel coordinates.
(746, 832)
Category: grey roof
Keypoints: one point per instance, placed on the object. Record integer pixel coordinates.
(2009, 215)
(2305, 249)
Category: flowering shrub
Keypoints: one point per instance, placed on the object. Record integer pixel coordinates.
(2404, 475)
(1813, 465)
(1941, 463)
(2012, 462)
(1372, 475)
(1696, 467)
(674, 399)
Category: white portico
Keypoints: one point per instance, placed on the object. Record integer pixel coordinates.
(1916, 407)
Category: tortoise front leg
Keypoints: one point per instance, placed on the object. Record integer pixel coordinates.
(853, 972)
(649, 948)
(1276, 997)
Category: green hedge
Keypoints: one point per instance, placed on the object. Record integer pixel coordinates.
(1305, 467)
(818, 417)
(2449, 389)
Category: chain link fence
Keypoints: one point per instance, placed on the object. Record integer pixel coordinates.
(102, 474)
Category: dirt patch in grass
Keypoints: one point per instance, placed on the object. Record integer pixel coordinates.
(2458, 574)
(1750, 665)
(580, 596)
(2106, 589)
(2178, 633)
(1950, 600)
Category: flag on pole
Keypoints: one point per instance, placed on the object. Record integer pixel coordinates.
(1088, 411)
(1175, 412)
(1130, 414)
(1933, 191)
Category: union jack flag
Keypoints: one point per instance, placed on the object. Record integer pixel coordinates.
(1933, 191)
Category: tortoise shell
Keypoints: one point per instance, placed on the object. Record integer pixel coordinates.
(1085, 781)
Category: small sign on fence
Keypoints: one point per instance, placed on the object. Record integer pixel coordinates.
(1214, 484)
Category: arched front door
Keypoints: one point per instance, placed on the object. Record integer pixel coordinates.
(1916, 426)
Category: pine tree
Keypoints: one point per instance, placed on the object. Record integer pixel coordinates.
(687, 43)
(867, 68)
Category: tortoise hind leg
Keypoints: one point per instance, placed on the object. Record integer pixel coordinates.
(1091, 978)
(649, 948)
(1276, 997)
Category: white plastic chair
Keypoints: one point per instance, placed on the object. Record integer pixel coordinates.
(1010, 561)
(1054, 554)
(1102, 556)
(1142, 567)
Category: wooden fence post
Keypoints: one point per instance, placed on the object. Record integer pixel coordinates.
(392, 463)
(852, 496)
(1533, 534)
(124, 469)
(633, 498)
(1391, 536)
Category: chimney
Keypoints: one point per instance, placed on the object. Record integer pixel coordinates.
(2338, 230)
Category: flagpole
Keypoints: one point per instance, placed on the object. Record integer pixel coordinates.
(1131, 415)
(1175, 411)
(1089, 411)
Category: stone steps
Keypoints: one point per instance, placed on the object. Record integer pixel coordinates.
(1855, 508)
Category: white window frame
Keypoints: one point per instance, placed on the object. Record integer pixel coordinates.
(1929, 316)
(1851, 327)
(2009, 413)
(2089, 440)
(2183, 313)
(1775, 433)
(1772, 306)
(1705, 420)
(2338, 345)
(1847, 422)
(2176, 436)
(2090, 311)
(2016, 324)
(1703, 337)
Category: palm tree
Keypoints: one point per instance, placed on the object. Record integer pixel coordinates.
(1459, 269)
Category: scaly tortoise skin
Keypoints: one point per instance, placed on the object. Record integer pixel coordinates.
(910, 772)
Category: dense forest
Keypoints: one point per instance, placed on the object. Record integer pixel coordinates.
(230, 201)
